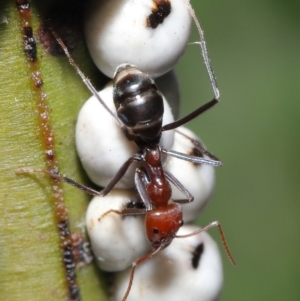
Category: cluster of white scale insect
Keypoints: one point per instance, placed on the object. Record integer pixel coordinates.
(190, 268)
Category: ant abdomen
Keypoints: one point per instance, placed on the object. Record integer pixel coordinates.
(103, 149)
(138, 102)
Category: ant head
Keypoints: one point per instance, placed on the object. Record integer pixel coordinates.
(138, 102)
(162, 224)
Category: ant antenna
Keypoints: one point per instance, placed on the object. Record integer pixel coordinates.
(83, 77)
(222, 234)
(204, 52)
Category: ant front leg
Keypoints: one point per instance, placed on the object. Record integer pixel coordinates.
(135, 264)
(125, 211)
(222, 235)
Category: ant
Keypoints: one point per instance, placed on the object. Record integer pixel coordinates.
(134, 92)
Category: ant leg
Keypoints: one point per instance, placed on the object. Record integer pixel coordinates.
(204, 52)
(83, 77)
(222, 235)
(124, 211)
(211, 75)
(184, 191)
(108, 212)
(120, 173)
(89, 190)
(137, 262)
(198, 146)
(133, 211)
(189, 117)
(193, 159)
(140, 179)
(54, 173)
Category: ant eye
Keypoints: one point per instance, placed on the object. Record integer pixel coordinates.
(155, 231)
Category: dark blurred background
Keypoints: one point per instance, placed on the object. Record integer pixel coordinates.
(254, 47)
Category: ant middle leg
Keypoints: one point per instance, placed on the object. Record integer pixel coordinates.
(193, 159)
(198, 146)
(55, 174)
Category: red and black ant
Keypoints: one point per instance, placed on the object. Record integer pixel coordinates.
(134, 92)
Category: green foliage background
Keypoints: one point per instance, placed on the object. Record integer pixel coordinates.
(254, 47)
